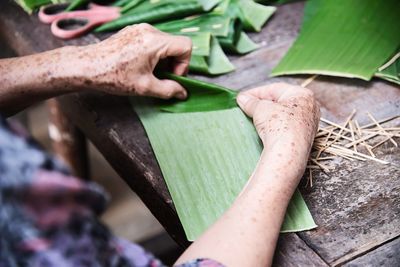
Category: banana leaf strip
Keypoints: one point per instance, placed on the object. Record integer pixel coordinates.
(206, 159)
(215, 64)
(152, 12)
(348, 38)
(392, 71)
(202, 96)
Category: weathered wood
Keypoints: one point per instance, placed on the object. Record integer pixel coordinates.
(294, 252)
(68, 142)
(386, 255)
(357, 206)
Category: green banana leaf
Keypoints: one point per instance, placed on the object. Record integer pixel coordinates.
(206, 159)
(392, 72)
(215, 64)
(229, 31)
(237, 41)
(30, 5)
(75, 4)
(157, 11)
(201, 43)
(202, 96)
(348, 38)
(214, 24)
(252, 14)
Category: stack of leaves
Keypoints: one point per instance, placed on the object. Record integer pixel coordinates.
(351, 141)
(214, 26)
(348, 38)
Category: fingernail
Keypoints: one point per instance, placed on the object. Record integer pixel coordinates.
(242, 99)
(182, 95)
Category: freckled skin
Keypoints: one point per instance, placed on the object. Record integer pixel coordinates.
(122, 65)
(286, 118)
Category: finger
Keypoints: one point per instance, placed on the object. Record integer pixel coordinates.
(165, 89)
(248, 103)
(180, 50)
(274, 91)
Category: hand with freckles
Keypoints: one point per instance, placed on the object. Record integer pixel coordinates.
(124, 63)
(286, 118)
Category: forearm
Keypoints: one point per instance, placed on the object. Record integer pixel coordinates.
(247, 233)
(29, 79)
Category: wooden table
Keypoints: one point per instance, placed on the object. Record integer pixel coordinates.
(357, 206)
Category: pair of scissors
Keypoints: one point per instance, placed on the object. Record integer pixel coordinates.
(71, 24)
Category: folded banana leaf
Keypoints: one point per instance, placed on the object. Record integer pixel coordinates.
(252, 14)
(215, 64)
(157, 11)
(348, 38)
(206, 159)
(392, 71)
(202, 96)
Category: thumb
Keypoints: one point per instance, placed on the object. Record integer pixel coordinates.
(247, 103)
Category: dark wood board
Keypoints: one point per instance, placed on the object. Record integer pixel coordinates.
(357, 206)
(386, 255)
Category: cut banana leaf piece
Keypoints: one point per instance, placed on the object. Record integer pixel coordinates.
(237, 41)
(206, 159)
(214, 24)
(252, 15)
(215, 64)
(202, 96)
(201, 43)
(157, 11)
(391, 70)
(348, 38)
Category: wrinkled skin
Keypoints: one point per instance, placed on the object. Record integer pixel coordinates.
(122, 64)
(285, 116)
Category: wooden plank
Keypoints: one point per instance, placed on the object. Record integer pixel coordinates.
(356, 208)
(386, 255)
(294, 252)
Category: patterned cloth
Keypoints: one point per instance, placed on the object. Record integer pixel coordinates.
(49, 218)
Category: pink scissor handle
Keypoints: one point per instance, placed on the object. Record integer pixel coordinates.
(67, 25)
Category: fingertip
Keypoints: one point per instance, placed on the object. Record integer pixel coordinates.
(242, 99)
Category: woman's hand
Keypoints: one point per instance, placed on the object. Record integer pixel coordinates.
(286, 118)
(124, 63)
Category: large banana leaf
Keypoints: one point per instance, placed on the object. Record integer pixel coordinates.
(206, 158)
(158, 11)
(349, 38)
(202, 96)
